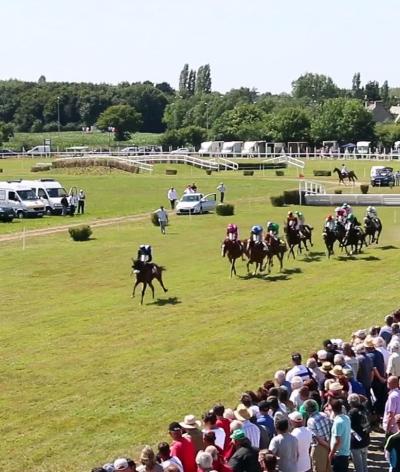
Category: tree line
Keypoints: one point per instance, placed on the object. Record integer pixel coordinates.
(315, 110)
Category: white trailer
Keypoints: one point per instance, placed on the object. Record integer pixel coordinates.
(253, 148)
(50, 191)
(210, 147)
(232, 148)
(363, 147)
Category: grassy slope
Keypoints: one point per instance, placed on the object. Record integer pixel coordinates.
(77, 138)
(88, 374)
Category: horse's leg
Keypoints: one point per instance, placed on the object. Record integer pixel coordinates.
(233, 271)
(280, 258)
(143, 292)
(159, 278)
(152, 289)
(134, 288)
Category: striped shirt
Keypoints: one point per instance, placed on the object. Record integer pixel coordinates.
(252, 433)
(320, 425)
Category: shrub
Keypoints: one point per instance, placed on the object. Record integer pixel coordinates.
(40, 168)
(248, 172)
(225, 209)
(291, 197)
(277, 200)
(364, 188)
(80, 233)
(208, 172)
(337, 191)
(322, 173)
(171, 171)
(154, 219)
(279, 173)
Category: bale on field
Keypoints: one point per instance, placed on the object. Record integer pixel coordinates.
(80, 233)
(225, 209)
(277, 200)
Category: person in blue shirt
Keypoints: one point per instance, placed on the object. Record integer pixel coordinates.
(340, 438)
(265, 419)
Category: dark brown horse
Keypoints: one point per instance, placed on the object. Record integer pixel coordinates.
(145, 274)
(350, 176)
(373, 229)
(256, 253)
(293, 239)
(233, 250)
(276, 248)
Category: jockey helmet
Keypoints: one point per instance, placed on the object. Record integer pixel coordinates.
(299, 213)
(230, 226)
(345, 205)
(350, 217)
(373, 209)
(329, 218)
(256, 229)
(290, 213)
(370, 208)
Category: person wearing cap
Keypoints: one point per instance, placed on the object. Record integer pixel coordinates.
(221, 189)
(360, 428)
(148, 461)
(392, 448)
(304, 440)
(81, 202)
(285, 447)
(245, 458)
(392, 406)
(192, 431)
(298, 370)
(120, 465)
(252, 432)
(340, 438)
(320, 426)
(166, 459)
(182, 448)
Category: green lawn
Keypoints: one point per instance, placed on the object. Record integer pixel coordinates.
(77, 138)
(88, 374)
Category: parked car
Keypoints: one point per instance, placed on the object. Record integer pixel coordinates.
(6, 214)
(181, 151)
(382, 176)
(4, 153)
(196, 203)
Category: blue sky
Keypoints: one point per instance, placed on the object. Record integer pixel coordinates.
(255, 43)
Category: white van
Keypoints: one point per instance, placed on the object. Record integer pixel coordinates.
(50, 192)
(21, 198)
(39, 151)
(232, 148)
(210, 147)
(363, 147)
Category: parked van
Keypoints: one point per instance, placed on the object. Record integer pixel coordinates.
(21, 198)
(50, 192)
(210, 147)
(363, 147)
(253, 148)
(39, 150)
(232, 148)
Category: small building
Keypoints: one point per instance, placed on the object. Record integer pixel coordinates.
(395, 111)
(379, 112)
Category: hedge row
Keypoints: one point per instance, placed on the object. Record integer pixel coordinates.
(289, 197)
(89, 162)
(322, 173)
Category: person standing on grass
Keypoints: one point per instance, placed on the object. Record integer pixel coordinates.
(81, 202)
(162, 216)
(221, 189)
(172, 196)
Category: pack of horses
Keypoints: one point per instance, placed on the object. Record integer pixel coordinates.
(355, 238)
(262, 253)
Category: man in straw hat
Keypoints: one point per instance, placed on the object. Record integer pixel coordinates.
(251, 431)
(192, 431)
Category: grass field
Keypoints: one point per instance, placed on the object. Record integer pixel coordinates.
(88, 374)
(77, 138)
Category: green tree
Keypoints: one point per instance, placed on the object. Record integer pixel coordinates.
(123, 118)
(372, 91)
(290, 124)
(183, 80)
(385, 93)
(203, 81)
(314, 87)
(191, 86)
(357, 91)
(6, 131)
(387, 133)
(343, 120)
(244, 122)
(193, 135)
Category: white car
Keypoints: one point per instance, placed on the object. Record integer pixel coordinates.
(181, 151)
(196, 203)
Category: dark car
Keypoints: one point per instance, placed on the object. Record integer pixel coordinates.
(6, 214)
(4, 153)
(383, 178)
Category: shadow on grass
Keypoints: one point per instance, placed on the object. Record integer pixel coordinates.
(295, 270)
(276, 278)
(264, 276)
(370, 258)
(165, 301)
(387, 248)
(313, 256)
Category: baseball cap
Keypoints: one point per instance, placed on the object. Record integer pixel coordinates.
(238, 434)
(121, 464)
(174, 426)
(296, 416)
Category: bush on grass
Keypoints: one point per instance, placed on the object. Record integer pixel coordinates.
(291, 197)
(248, 172)
(337, 191)
(277, 200)
(154, 219)
(279, 173)
(80, 233)
(225, 209)
(364, 188)
(171, 171)
(322, 173)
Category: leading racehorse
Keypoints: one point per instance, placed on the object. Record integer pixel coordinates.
(145, 274)
(350, 175)
(294, 239)
(275, 247)
(373, 229)
(233, 250)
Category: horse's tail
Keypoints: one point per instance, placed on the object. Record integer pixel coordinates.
(161, 268)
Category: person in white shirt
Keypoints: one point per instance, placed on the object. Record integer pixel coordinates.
(304, 440)
(162, 218)
(298, 369)
(209, 420)
(252, 432)
(164, 455)
(393, 367)
(221, 189)
(172, 196)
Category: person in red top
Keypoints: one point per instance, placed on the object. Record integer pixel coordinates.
(182, 448)
(223, 423)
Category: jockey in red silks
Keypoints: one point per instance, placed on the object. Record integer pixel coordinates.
(340, 215)
(232, 232)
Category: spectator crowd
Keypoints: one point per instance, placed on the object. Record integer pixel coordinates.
(315, 416)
